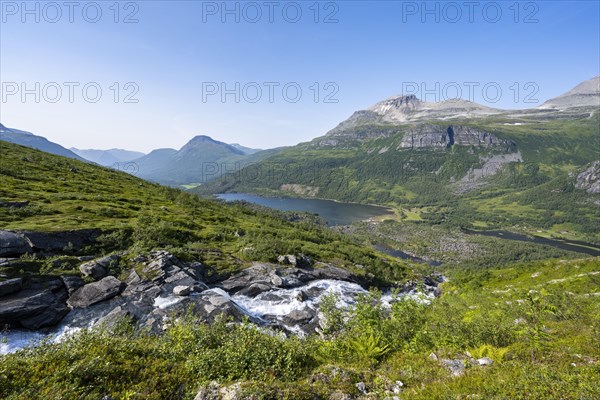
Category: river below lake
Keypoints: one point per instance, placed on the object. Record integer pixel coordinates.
(337, 213)
(573, 245)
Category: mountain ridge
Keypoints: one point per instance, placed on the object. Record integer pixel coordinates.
(201, 159)
(107, 157)
(29, 139)
(409, 109)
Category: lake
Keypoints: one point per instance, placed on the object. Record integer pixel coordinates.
(333, 212)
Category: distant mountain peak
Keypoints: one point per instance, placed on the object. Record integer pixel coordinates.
(194, 162)
(404, 104)
(202, 138)
(586, 94)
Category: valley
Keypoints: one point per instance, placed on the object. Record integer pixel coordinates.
(321, 200)
(472, 169)
(402, 253)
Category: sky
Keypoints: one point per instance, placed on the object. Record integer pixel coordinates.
(142, 75)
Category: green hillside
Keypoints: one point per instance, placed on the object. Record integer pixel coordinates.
(365, 164)
(65, 194)
(536, 321)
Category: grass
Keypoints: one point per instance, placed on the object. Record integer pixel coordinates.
(136, 215)
(532, 309)
(534, 319)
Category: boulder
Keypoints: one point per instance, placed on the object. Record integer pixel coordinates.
(72, 283)
(52, 315)
(397, 387)
(287, 259)
(93, 269)
(98, 268)
(10, 286)
(32, 309)
(182, 290)
(484, 361)
(113, 317)
(96, 292)
(13, 244)
(299, 260)
(276, 280)
(254, 290)
(456, 367)
(361, 387)
(214, 391)
(209, 392)
(58, 242)
(258, 273)
(213, 303)
(298, 317)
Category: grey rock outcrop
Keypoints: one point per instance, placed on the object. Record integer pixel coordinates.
(98, 269)
(59, 242)
(162, 288)
(443, 136)
(96, 292)
(13, 244)
(32, 309)
(589, 180)
(10, 286)
(72, 283)
(262, 277)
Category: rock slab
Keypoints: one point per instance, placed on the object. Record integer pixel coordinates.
(95, 292)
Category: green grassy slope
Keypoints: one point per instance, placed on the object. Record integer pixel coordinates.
(537, 321)
(65, 194)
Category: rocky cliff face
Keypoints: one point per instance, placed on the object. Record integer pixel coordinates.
(440, 136)
(589, 179)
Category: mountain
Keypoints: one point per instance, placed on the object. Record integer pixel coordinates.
(455, 163)
(157, 287)
(410, 110)
(244, 149)
(198, 161)
(28, 139)
(586, 94)
(109, 157)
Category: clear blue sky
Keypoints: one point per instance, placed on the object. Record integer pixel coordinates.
(176, 48)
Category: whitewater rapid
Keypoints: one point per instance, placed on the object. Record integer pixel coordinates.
(270, 306)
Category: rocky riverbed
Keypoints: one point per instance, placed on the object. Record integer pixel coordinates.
(283, 297)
